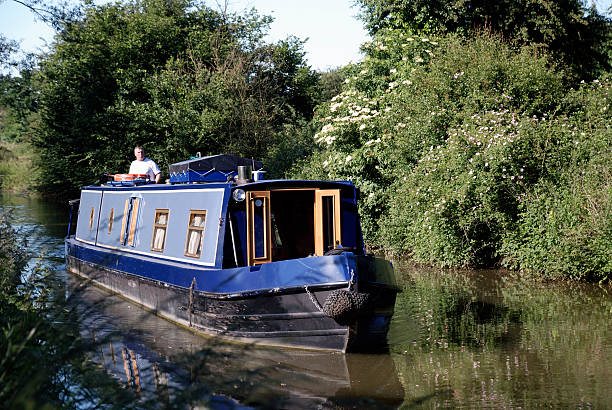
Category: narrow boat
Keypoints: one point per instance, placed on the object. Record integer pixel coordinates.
(224, 252)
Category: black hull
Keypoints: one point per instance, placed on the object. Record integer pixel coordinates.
(287, 318)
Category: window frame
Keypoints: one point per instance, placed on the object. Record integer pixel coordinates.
(193, 213)
(156, 225)
(252, 259)
(336, 219)
(130, 216)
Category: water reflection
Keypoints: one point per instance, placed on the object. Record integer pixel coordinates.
(485, 339)
(157, 358)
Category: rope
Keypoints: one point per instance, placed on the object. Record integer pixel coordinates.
(313, 300)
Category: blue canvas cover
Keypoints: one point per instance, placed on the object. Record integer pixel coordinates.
(214, 168)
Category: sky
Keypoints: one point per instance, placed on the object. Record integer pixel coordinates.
(333, 33)
(330, 27)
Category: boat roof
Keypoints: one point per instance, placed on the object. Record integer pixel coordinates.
(249, 186)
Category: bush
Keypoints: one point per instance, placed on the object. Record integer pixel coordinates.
(565, 225)
(452, 141)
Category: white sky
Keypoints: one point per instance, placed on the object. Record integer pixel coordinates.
(334, 34)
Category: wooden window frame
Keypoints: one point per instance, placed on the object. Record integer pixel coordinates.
(251, 197)
(132, 216)
(133, 221)
(124, 220)
(190, 228)
(319, 194)
(164, 227)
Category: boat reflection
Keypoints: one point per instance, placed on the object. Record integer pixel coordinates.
(164, 362)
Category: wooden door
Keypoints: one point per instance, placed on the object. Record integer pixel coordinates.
(259, 243)
(327, 220)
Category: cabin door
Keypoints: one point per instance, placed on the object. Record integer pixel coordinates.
(259, 243)
(327, 220)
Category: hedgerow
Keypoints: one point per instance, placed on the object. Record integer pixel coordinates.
(449, 140)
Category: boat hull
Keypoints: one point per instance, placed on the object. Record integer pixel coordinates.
(288, 316)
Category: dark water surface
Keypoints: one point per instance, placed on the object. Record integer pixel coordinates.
(458, 340)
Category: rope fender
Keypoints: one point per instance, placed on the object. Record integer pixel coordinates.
(344, 305)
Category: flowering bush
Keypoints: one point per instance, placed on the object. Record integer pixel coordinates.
(447, 140)
(461, 197)
(565, 225)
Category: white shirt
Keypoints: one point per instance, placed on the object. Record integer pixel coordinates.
(145, 166)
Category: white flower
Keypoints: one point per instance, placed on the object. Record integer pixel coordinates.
(348, 158)
(361, 127)
(393, 70)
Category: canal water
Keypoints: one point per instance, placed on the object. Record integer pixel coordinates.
(458, 339)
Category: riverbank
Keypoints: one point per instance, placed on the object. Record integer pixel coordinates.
(18, 172)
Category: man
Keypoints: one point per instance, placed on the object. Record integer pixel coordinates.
(144, 165)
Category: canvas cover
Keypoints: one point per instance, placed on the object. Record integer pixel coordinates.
(223, 163)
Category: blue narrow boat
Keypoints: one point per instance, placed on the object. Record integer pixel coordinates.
(225, 253)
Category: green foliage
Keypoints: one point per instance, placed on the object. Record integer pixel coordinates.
(17, 171)
(18, 105)
(175, 77)
(571, 30)
(331, 83)
(450, 140)
(406, 96)
(43, 361)
(565, 223)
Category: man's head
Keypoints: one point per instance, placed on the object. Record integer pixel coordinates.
(139, 153)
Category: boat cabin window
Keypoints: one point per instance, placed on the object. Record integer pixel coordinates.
(195, 233)
(110, 220)
(160, 225)
(91, 219)
(130, 218)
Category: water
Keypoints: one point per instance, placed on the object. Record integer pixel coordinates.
(457, 340)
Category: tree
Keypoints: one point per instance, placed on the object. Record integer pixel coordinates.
(176, 76)
(575, 34)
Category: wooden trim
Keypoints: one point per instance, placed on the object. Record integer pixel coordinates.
(337, 232)
(123, 222)
(91, 218)
(252, 196)
(190, 229)
(133, 221)
(293, 189)
(164, 227)
(111, 215)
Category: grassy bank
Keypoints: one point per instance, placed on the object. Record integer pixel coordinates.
(17, 171)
